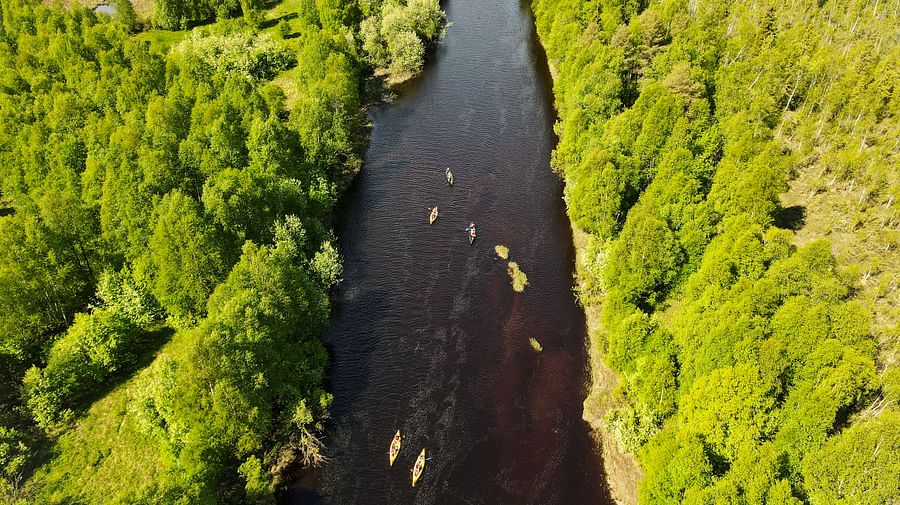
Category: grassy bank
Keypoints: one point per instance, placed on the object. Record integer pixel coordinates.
(621, 468)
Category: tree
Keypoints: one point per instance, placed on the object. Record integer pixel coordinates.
(94, 348)
(741, 356)
(185, 258)
(396, 37)
(645, 260)
(858, 465)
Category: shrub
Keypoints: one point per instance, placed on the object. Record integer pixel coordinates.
(94, 348)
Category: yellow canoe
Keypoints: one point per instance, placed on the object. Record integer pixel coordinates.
(418, 468)
(395, 448)
(433, 217)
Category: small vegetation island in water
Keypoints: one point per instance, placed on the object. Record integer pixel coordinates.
(165, 241)
(731, 172)
(516, 275)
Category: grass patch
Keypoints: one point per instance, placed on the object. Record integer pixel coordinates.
(519, 279)
(535, 344)
(162, 40)
(502, 251)
(288, 81)
(283, 9)
(104, 459)
(107, 457)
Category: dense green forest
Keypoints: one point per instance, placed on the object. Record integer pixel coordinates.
(733, 166)
(165, 242)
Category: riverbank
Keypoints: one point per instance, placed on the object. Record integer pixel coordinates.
(728, 214)
(623, 473)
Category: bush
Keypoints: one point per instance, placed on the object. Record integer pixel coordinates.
(14, 458)
(326, 266)
(253, 57)
(407, 53)
(120, 293)
(94, 348)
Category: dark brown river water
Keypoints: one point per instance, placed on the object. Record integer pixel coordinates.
(428, 336)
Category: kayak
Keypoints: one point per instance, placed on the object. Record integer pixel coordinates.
(449, 177)
(434, 215)
(395, 448)
(418, 468)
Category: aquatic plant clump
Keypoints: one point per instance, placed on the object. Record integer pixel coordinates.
(519, 279)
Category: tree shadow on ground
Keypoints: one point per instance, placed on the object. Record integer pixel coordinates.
(152, 341)
(269, 23)
(791, 218)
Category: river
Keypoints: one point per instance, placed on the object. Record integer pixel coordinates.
(428, 336)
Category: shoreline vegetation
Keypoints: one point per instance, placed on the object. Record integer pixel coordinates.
(731, 179)
(167, 180)
(623, 473)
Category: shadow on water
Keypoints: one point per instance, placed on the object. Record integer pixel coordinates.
(429, 337)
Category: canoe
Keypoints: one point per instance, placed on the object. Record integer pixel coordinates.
(395, 448)
(472, 236)
(449, 178)
(418, 468)
(433, 217)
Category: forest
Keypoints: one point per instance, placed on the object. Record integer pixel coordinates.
(731, 173)
(166, 251)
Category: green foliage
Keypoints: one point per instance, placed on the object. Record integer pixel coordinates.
(326, 266)
(632, 428)
(646, 257)
(41, 283)
(857, 465)
(184, 259)
(395, 36)
(121, 294)
(138, 186)
(124, 13)
(94, 348)
(253, 57)
(14, 457)
(673, 467)
(744, 361)
(407, 53)
(180, 14)
(252, 365)
(259, 486)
